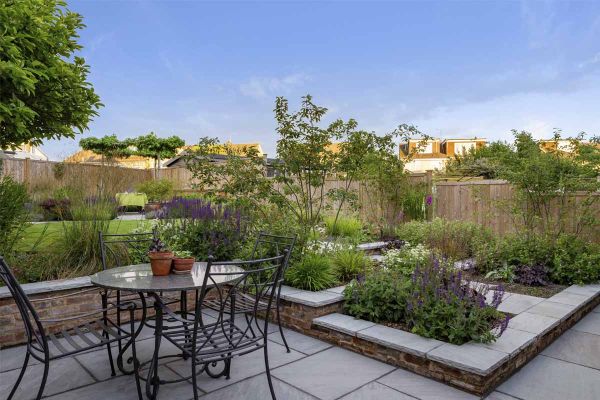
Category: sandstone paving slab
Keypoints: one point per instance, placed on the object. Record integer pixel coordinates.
(511, 341)
(588, 290)
(518, 303)
(257, 388)
(313, 299)
(64, 374)
(546, 378)
(13, 357)
(570, 298)
(533, 323)
(50, 286)
(342, 323)
(332, 373)
(399, 339)
(241, 367)
(468, 356)
(299, 342)
(597, 309)
(500, 396)
(375, 390)
(337, 289)
(285, 290)
(576, 347)
(551, 309)
(589, 324)
(371, 246)
(123, 388)
(423, 388)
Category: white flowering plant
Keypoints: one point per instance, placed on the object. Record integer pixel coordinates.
(406, 258)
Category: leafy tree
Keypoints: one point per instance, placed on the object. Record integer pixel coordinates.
(108, 147)
(156, 148)
(44, 89)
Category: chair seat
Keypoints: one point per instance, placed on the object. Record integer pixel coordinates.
(244, 303)
(216, 341)
(81, 338)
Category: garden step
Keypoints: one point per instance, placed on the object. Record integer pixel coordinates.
(342, 323)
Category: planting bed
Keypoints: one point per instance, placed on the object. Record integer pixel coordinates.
(475, 367)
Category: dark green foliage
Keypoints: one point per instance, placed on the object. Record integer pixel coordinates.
(158, 190)
(109, 147)
(378, 297)
(312, 272)
(575, 261)
(13, 214)
(45, 93)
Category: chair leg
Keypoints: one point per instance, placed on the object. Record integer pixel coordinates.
(268, 371)
(14, 389)
(194, 378)
(105, 334)
(136, 366)
(44, 379)
(281, 330)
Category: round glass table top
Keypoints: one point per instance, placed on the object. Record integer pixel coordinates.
(139, 278)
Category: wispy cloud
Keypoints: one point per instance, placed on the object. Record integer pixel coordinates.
(260, 87)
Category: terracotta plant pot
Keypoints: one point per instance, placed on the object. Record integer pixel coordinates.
(160, 262)
(183, 264)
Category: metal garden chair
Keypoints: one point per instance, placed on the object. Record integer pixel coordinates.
(117, 250)
(45, 346)
(224, 339)
(266, 245)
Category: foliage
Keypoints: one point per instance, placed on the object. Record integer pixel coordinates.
(442, 306)
(379, 297)
(56, 209)
(157, 190)
(350, 263)
(94, 207)
(157, 245)
(453, 239)
(532, 275)
(203, 228)
(45, 92)
(13, 214)
(407, 258)
(433, 302)
(575, 261)
(505, 273)
(344, 226)
(109, 147)
(313, 272)
(156, 147)
(415, 201)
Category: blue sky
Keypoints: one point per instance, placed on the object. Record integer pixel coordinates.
(454, 69)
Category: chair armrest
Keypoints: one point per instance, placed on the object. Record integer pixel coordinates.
(130, 306)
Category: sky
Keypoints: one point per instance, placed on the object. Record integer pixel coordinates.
(452, 68)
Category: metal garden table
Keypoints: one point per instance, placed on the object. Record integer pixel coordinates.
(139, 278)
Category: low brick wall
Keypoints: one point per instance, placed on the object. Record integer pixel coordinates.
(12, 331)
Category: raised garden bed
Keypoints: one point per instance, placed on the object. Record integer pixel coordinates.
(474, 367)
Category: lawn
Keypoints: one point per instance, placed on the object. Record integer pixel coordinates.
(41, 235)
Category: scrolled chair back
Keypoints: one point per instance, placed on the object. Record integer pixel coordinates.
(36, 336)
(117, 250)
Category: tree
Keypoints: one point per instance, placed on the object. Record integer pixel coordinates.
(108, 147)
(44, 89)
(156, 148)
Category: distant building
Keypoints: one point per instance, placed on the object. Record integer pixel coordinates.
(89, 157)
(432, 154)
(26, 151)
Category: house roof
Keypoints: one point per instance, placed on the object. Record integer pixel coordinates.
(88, 156)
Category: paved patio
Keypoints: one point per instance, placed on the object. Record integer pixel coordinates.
(568, 369)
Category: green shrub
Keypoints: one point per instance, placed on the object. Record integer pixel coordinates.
(313, 272)
(453, 239)
(344, 226)
(514, 250)
(350, 263)
(380, 297)
(158, 190)
(575, 261)
(407, 258)
(103, 209)
(13, 215)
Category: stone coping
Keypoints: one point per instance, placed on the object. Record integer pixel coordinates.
(534, 319)
(372, 246)
(312, 299)
(49, 286)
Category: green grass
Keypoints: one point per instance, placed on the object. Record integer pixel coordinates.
(48, 232)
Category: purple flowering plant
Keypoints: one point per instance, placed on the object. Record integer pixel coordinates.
(203, 228)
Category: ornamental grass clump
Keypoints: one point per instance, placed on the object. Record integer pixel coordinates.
(343, 226)
(350, 263)
(313, 272)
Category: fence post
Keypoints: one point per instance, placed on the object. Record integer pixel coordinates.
(26, 170)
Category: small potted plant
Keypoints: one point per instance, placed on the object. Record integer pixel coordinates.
(160, 258)
(183, 262)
